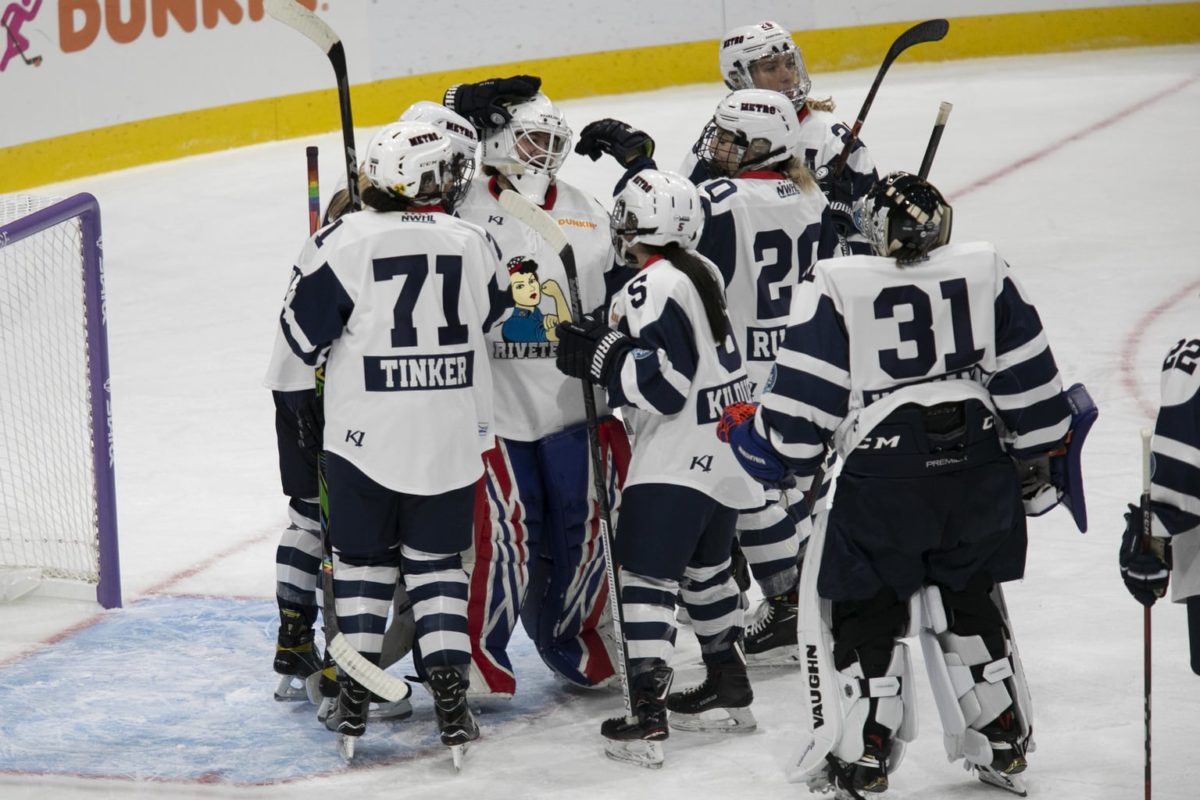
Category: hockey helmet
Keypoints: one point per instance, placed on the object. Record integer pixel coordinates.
(742, 47)
(463, 138)
(529, 148)
(417, 161)
(751, 128)
(656, 208)
(904, 217)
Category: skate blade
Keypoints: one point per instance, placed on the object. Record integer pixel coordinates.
(401, 709)
(345, 747)
(312, 688)
(635, 751)
(290, 689)
(715, 720)
(458, 752)
(324, 708)
(1009, 783)
(777, 657)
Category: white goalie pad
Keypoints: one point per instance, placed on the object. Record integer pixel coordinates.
(837, 703)
(965, 704)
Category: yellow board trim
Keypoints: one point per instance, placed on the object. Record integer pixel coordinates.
(614, 72)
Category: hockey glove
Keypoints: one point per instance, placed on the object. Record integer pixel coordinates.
(626, 144)
(751, 450)
(309, 417)
(484, 103)
(839, 191)
(1145, 566)
(590, 350)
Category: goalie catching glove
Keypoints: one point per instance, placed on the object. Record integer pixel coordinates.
(1057, 476)
(589, 349)
(751, 450)
(485, 103)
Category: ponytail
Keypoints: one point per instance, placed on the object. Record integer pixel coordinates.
(800, 175)
(711, 295)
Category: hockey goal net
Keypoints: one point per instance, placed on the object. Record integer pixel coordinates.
(58, 526)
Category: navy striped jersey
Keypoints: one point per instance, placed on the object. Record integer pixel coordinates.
(764, 233)
(673, 386)
(867, 335)
(1175, 482)
(398, 304)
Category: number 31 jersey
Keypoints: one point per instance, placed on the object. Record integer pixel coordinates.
(400, 302)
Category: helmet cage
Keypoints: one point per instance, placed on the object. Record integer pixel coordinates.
(905, 217)
(655, 208)
(531, 147)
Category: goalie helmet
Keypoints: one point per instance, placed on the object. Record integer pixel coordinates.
(751, 128)
(416, 161)
(656, 208)
(529, 149)
(904, 217)
(743, 47)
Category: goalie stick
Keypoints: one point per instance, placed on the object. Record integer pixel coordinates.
(548, 229)
(308, 24)
(933, 30)
(935, 139)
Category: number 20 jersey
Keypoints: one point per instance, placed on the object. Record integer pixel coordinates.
(400, 302)
(867, 334)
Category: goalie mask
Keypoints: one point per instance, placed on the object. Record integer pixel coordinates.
(751, 129)
(656, 208)
(416, 161)
(763, 56)
(530, 148)
(458, 129)
(904, 217)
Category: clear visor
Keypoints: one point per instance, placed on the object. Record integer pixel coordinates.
(784, 73)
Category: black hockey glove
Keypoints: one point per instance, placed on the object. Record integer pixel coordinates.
(626, 144)
(309, 417)
(484, 103)
(589, 349)
(839, 191)
(1145, 571)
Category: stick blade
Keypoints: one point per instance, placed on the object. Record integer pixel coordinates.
(931, 30)
(367, 674)
(296, 16)
(525, 210)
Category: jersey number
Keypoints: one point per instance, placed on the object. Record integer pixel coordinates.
(1183, 356)
(919, 330)
(774, 295)
(415, 269)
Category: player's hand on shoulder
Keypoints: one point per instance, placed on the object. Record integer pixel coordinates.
(589, 349)
(1145, 561)
(621, 141)
(484, 102)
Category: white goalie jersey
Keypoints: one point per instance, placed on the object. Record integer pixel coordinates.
(674, 385)
(398, 303)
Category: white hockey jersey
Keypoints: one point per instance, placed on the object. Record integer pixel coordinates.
(764, 234)
(398, 304)
(674, 385)
(866, 335)
(533, 399)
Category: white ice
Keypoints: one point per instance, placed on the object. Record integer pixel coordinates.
(1081, 168)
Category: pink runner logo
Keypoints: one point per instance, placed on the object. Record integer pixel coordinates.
(16, 14)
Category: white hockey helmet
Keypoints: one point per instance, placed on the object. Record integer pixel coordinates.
(751, 128)
(529, 149)
(904, 217)
(417, 161)
(657, 208)
(460, 130)
(744, 46)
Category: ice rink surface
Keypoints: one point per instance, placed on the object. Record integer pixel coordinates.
(1080, 168)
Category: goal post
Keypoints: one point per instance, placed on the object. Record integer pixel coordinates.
(58, 521)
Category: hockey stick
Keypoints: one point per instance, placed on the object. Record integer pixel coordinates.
(935, 139)
(314, 191)
(547, 228)
(36, 61)
(933, 30)
(300, 19)
(1146, 543)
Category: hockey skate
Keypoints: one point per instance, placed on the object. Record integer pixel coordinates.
(347, 715)
(1008, 755)
(638, 739)
(454, 718)
(771, 637)
(721, 704)
(296, 657)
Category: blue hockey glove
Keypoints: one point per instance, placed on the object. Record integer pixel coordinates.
(626, 144)
(752, 451)
(589, 349)
(485, 103)
(309, 417)
(839, 191)
(1145, 566)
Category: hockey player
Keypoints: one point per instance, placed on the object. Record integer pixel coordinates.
(928, 370)
(766, 224)
(1146, 565)
(764, 56)
(536, 553)
(298, 424)
(671, 364)
(396, 299)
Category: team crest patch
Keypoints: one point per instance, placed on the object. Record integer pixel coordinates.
(640, 352)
